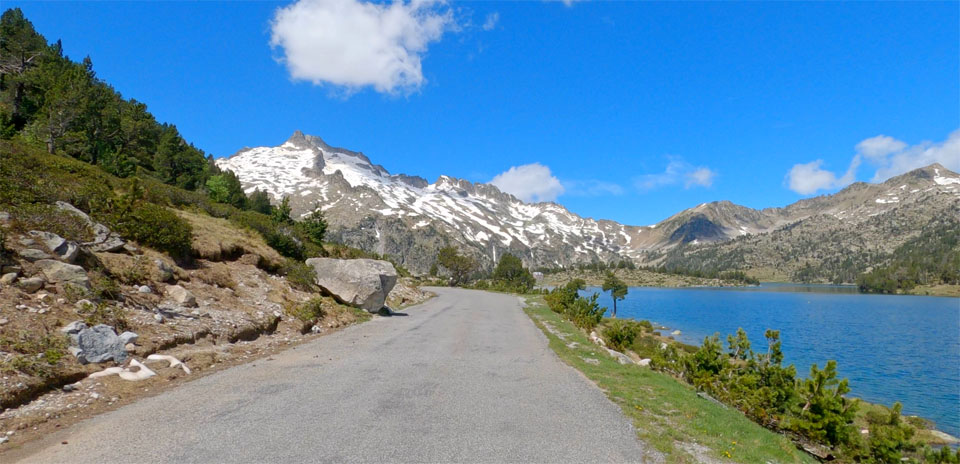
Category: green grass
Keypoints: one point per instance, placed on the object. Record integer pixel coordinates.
(666, 413)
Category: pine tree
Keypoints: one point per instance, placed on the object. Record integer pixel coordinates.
(616, 287)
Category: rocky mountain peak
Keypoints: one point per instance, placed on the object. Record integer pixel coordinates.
(409, 218)
(935, 173)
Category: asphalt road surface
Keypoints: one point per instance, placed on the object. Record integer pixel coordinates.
(465, 377)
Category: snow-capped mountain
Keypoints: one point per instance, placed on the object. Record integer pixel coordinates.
(409, 218)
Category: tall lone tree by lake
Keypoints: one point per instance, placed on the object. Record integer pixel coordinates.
(617, 289)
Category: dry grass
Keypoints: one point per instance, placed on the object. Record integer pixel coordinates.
(218, 274)
(936, 290)
(137, 270)
(633, 278)
(217, 239)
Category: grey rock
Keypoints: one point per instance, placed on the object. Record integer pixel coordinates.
(10, 268)
(63, 273)
(363, 283)
(49, 239)
(8, 278)
(74, 327)
(64, 206)
(129, 337)
(158, 318)
(82, 304)
(30, 284)
(100, 344)
(104, 241)
(164, 269)
(4, 321)
(181, 296)
(621, 358)
(144, 289)
(72, 387)
(33, 254)
(113, 243)
(69, 252)
(4, 217)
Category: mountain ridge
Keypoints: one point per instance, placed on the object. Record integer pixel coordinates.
(410, 218)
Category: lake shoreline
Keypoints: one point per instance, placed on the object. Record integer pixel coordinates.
(932, 436)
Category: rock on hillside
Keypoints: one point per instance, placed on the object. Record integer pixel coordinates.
(363, 283)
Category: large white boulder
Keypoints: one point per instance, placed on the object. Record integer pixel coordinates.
(363, 283)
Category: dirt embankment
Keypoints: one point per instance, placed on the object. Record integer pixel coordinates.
(227, 305)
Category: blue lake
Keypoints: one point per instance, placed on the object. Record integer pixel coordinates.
(892, 348)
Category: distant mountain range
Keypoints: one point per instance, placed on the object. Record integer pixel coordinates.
(409, 218)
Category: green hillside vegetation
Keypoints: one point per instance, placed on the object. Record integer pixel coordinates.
(930, 259)
(66, 135)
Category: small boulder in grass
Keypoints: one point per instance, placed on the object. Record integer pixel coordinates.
(181, 296)
(129, 337)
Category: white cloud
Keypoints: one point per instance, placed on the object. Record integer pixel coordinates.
(529, 182)
(570, 3)
(811, 177)
(491, 21)
(354, 44)
(877, 148)
(889, 156)
(923, 154)
(701, 176)
(677, 172)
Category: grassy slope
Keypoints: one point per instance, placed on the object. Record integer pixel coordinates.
(667, 414)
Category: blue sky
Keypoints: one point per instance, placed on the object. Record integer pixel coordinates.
(619, 110)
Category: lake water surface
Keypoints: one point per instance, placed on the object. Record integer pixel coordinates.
(892, 348)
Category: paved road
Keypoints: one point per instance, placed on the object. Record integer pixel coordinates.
(465, 377)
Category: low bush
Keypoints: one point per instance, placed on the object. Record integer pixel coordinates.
(300, 275)
(102, 313)
(33, 354)
(103, 287)
(283, 240)
(585, 312)
(308, 312)
(134, 274)
(49, 218)
(154, 226)
(621, 334)
(560, 298)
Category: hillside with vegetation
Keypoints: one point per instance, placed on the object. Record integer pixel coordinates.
(909, 246)
(721, 384)
(113, 226)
